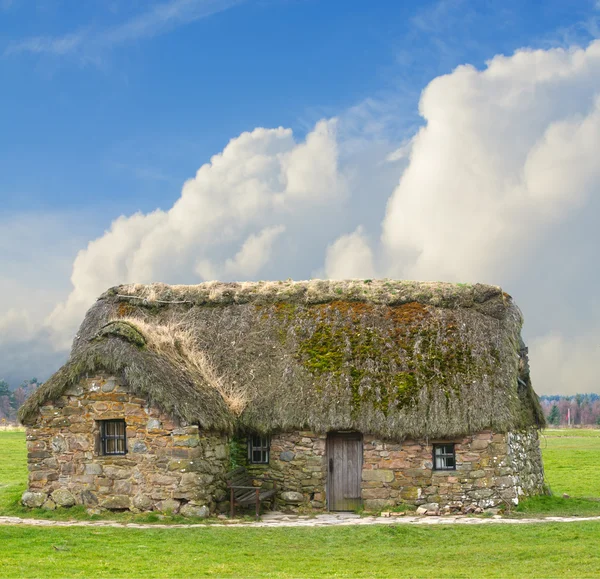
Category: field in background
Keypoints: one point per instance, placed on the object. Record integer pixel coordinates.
(571, 461)
(548, 550)
(571, 458)
(13, 469)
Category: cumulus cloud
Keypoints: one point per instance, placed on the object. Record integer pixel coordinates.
(223, 225)
(37, 255)
(248, 261)
(350, 256)
(504, 154)
(505, 157)
(500, 185)
(566, 364)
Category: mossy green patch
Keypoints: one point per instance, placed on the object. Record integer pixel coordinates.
(323, 352)
(386, 354)
(125, 330)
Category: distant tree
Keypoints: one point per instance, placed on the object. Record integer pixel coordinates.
(20, 395)
(579, 400)
(4, 388)
(584, 408)
(24, 391)
(11, 401)
(554, 416)
(6, 410)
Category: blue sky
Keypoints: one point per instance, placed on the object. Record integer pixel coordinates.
(142, 112)
(107, 107)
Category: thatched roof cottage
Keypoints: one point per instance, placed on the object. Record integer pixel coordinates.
(348, 393)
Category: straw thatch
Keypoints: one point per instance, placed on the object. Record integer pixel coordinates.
(392, 358)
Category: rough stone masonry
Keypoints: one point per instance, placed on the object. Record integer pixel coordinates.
(180, 468)
(168, 466)
(491, 470)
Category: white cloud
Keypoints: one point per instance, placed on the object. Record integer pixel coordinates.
(499, 185)
(506, 156)
(504, 153)
(164, 17)
(262, 181)
(401, 153)
(564, 364)
(16, 326)
(56, 45)
(159, 19)
(37, 252)
(248, 261)
(350, 256)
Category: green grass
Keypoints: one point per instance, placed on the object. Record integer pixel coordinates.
(548, 550)
(571, 461)
(543, 550)
(558, 507)
(13, 469)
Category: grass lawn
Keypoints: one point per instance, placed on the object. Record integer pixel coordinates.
(13, 468)
(545, 550)
(571, 459)
(567, 550)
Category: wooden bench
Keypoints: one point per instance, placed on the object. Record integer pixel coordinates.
(244, 493)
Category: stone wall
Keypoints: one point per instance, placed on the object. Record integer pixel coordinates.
(297, 463)
(491, 470)
(526, 461)
(168, 466)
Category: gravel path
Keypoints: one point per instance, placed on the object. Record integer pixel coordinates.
(276, 520)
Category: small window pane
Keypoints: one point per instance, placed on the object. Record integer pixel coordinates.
(113, 437)
(258, 449)
(444, 457)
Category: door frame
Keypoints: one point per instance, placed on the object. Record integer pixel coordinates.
(347, 434)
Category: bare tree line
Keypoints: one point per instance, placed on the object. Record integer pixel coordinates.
(578, 409)
(11, 400)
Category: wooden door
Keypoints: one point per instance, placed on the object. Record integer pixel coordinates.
(344, 462)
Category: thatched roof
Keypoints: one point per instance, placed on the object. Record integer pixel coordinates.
(393, 358)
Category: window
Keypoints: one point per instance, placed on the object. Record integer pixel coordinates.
(444, 457)
(258, 449)
(112, 437)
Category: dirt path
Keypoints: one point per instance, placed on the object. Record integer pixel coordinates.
(275, 520)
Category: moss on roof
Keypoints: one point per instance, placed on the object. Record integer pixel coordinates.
(393, 358)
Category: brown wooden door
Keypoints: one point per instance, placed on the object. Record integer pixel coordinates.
(344, 462)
